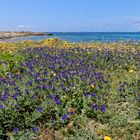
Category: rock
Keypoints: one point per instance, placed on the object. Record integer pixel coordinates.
(8, 34)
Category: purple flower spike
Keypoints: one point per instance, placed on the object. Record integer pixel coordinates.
(86, 94)
(27, 91)
(95, 107)
(14, 96)
(15, 130)
(3, 98)
(39, 109)
(1, 106)
(72, 113)
(64, 117)
(90, 104)
(93, 94)
(33, 97)
(35, 129)
(57, 102)
(103, 108)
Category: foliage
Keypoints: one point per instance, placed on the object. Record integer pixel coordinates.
(66, 87)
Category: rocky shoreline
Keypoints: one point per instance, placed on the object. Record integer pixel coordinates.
(8, 35)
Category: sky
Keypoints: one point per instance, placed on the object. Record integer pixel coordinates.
(70, 15)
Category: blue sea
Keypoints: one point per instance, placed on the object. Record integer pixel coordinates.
(88, 36)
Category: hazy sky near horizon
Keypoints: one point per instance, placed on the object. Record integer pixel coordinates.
(70, 15)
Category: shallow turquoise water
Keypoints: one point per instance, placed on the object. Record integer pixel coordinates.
(88, 36)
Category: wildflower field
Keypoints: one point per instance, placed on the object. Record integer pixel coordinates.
(56, 90)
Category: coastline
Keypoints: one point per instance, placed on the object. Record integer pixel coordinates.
(8, 34)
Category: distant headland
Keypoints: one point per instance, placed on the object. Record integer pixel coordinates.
(10, 34)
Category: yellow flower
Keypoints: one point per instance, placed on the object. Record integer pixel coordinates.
(131, 70)
(10, 52)
(92, 85)
(89, 52)
(107, 138)
(54, 74)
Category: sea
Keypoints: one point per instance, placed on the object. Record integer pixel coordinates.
(87, 37)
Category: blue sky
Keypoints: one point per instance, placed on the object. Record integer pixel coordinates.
(70, 15)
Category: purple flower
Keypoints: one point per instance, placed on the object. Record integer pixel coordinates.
(1, 106)
(97, 76)
(72, 113)
(36, 74)
(36, 80)
(4, 97)
(49, 96)
(57, 102)
(29, 82)
(103, 108)
(33, 96)
(86, 94)
(11, 82)
(38, 86)
(64, 117)
(93, 67)
(16, 88)
(53, 89)
(95, 107)
(39, 109)
(90, 104)
(27, 91)
(15, 130)
(6, 90)
(14, 96)
(44, 87)
(19, 93)
(18, 76)
(92, 83)
(105, 81)
(44, 79)
(93, 94)
(35, 129)
(64, 88)
(44, 72)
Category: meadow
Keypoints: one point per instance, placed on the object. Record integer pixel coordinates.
(56, 90)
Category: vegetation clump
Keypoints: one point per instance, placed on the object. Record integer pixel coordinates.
(54, 89)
